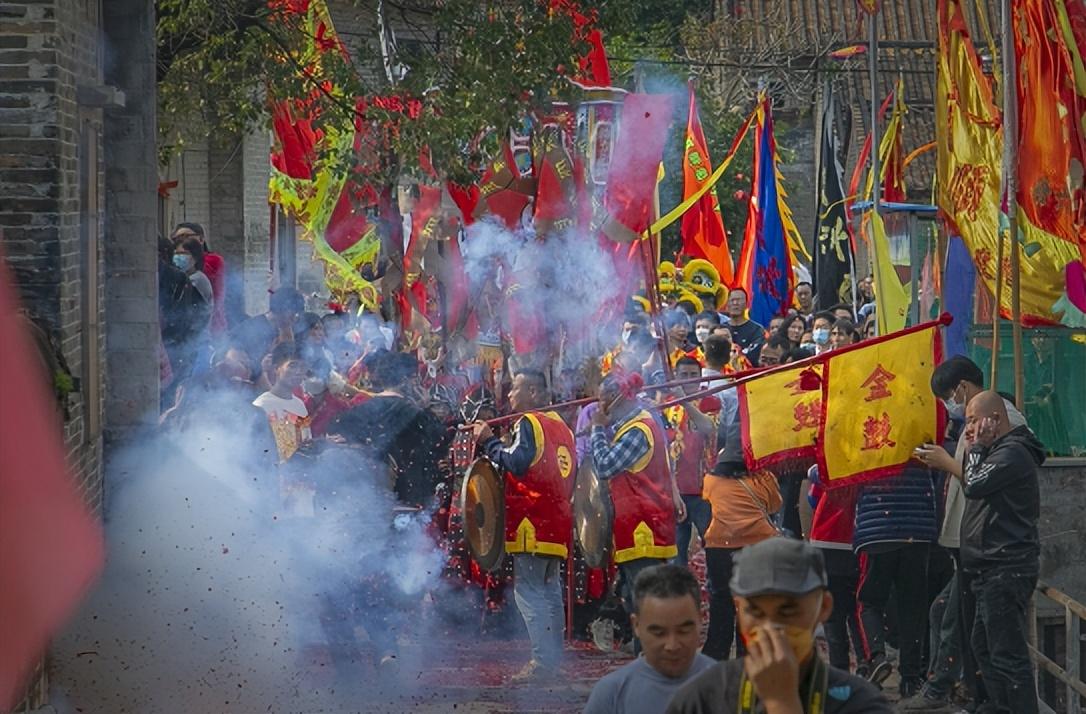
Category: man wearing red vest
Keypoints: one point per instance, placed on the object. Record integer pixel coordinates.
(629, 450)
(690, 432)
(539, 479)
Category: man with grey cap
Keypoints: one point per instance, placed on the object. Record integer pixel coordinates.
(781, 597)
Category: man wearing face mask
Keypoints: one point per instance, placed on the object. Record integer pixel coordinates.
(781, 598)
(820, 331)
(956, 382)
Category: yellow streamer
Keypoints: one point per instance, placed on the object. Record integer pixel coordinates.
(677, 212)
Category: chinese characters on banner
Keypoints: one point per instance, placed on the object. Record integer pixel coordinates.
(789, 429)
(878, 406)
(969, 150)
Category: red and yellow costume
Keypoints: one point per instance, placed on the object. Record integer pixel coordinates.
(644, 524)
(538, 510)
(688, 450)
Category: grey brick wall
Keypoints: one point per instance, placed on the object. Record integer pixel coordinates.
(47, 50)
(257, 220)
(190, 199)
(131, 198)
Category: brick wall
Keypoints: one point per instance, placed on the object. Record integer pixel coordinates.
(131, 250)
(47, 51)
(257, 220)
(190, 200)
(51, 210)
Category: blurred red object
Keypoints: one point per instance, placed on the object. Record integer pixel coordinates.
(51, 547)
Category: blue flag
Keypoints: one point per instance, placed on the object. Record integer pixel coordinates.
(771, 267)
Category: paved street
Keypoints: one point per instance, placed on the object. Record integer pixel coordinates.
(202, 609)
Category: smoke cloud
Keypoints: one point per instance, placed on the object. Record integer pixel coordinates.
(216, 599)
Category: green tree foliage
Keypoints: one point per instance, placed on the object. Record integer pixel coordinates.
(479, 68)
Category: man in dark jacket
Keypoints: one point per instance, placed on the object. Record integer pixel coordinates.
(1001, 547)
(393, 430)
(780, 593)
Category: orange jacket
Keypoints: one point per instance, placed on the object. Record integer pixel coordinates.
(738, 520)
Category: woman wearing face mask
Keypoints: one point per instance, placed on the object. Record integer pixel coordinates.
(195, 357)
(704, 324)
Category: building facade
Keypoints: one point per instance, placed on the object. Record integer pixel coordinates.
(77, 128)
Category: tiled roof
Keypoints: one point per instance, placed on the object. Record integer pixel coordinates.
(908, 33)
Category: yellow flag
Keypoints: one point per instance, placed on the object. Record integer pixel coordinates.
(893, 296)
(969, 149)
(878, 405)
(783, 423)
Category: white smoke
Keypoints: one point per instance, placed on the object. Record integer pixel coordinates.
(568, 280)
(212, 597)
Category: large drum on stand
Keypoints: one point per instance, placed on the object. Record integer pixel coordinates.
(593, 516)
(482, 508)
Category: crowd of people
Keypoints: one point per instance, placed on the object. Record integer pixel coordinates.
(928, 573)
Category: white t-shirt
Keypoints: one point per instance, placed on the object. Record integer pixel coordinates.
(281, 409)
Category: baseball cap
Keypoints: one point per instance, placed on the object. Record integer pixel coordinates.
(781, 566)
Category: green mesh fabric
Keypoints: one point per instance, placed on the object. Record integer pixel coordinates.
(1054, 363)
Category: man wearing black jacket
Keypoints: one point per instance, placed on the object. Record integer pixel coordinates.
(1001, 547)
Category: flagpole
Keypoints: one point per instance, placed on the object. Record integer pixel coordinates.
(873, 69)
(1010, 173)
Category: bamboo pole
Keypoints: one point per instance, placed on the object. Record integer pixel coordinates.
(1010, 174)
(873, 69)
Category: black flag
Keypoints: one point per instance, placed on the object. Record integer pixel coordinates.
(834, 259)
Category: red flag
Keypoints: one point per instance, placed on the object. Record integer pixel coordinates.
(556, 186)
(466, 199)
(631, 182)
(1052, 117)
(296, 141)
(702, 227)
(424, 219)
(595, 70)
(348, 223)
(503, 193)
(51, 547)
